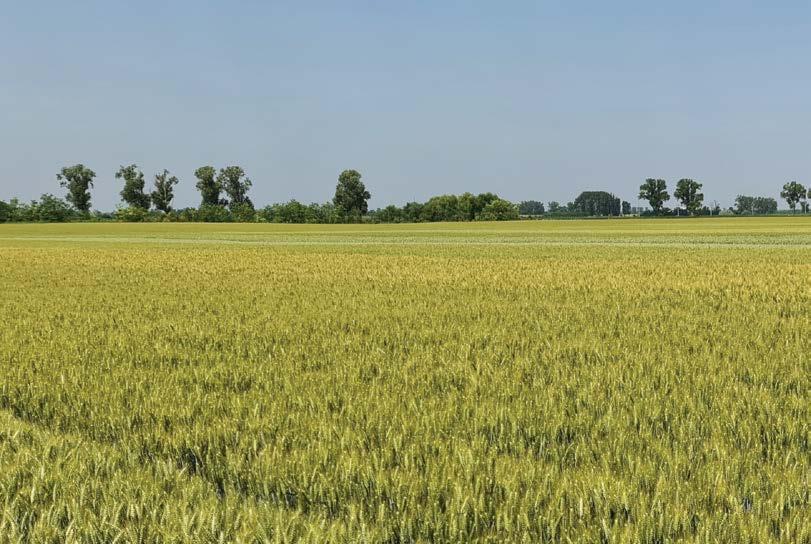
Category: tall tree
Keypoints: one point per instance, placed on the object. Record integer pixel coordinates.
(78, 180)
(133, 192)
(208, 185)
(793, 193)
(351, 195)
(236, 184)
(655, 192)
(164, 191)
(687, 191)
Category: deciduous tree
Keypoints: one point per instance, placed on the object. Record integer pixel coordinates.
(597, 203)
(164, 192)
(351, 196)
(78, 180)
(499, 210)
(655, 192)
(236, 185)
(687, 191)
(208, 185)
(755, 204)
(793, 192)
(531, 207)
(133, 192)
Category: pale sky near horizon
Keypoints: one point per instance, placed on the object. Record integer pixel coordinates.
(531, 100)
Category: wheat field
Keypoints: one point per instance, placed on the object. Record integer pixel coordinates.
(535, 381)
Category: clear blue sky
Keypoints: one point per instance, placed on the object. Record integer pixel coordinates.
(533, 100)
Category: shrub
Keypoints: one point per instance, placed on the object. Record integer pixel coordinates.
(131, 214)
(499, 210)
(210, 213)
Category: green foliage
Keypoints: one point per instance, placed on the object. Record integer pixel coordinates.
(134, 184)
(755, 205)
(793, 192)
(596, 203)
(186, 215)
(470, 206)
(243, 213)
(296, 212)
(499, 210)
(212, 213)
(323, 213)
(687, 192)
(412, 212)
(350, 202)
(49, 209)
(131, 214)
(78, 180)
(209, 186)
(290, 212)
(442, 208)
(655, 192)
(164, 192)
(20, 212)
(351, 195)
(465, 207)
(236, 185)
(481, 202)
(389, 214)
(531, 208)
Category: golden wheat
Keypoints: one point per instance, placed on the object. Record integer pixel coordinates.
(573, 381)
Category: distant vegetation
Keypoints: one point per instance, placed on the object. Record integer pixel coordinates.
(224, 198)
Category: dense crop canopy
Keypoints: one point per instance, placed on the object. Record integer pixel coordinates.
(622, 381)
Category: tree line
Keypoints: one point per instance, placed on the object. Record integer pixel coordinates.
(224, 197)
(688, 193)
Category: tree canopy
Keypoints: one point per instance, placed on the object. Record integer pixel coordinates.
(208, 185)
(655, 192)
(499, 210)
(755, 204)
(350, 201)
(531, 207)
(793, 192)
(351, 196)
(687, 192)
(236, 184)
(78, 180)
(164, 191)
(133, 192)
(597, 203)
